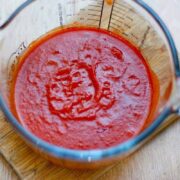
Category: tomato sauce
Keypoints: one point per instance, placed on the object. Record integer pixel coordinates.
(83, 88)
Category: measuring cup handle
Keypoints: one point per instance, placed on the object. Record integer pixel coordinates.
(15, 13)
(177, 107)
(178, 82)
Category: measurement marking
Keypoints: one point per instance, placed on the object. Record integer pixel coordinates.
(119, 12)
(93, 5)
(117, 20)
(99, 2)
(114, 15)
(96, 1)
(124, 33)
(114, 28)
(102, 8)
(96, 10)
(82, 9)
(92, 19)
(133, 35)
(117, 26)
(60, 14)
(120, 9)
(111, 14)
(129, 18)
(93, 15)
(81, 18)
(122, 5)
(118, 16)
(123, 23)
(144, 37)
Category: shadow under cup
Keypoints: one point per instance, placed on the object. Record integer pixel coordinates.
(127, 18)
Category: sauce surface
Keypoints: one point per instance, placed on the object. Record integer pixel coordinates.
(82, 88)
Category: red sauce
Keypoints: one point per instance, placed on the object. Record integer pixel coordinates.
(83, 88)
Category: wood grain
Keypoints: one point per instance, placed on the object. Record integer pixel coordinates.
(6, 171)
(159, 159)
(28, 165)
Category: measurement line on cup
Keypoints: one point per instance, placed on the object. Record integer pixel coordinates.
(92, 19)
(119, 12)
(119, 28)
(120, 9)
(99, 2)
(60, 14)
(95, 10)
(115, 24)
(144, 37)
(122, 5)
(122, 23)
(117, 20)
(115, 15)
(111, 14)
(114, 28)
(93, 5)
(102, 8)
(95, 15)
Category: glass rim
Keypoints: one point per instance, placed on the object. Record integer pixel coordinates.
(99, 154)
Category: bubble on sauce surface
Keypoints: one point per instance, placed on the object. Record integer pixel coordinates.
(33, 78)
(104, 120)
(117, 53)
(134, 86)
(62, 129)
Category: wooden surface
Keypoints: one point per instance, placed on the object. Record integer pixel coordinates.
(159, 159)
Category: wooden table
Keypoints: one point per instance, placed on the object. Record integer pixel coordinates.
(159, 159)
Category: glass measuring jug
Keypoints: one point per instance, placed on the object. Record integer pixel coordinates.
(132, 19)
